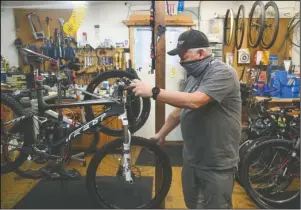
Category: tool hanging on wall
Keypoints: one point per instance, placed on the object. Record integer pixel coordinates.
(161, 31)
(152, 25)
(37, 34)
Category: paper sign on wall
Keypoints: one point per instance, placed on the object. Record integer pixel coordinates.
(173, 73)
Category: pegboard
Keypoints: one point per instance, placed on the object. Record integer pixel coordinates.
(283, 23)
(24, 31)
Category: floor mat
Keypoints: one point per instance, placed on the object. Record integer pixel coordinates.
(174, 153)
(74, 195)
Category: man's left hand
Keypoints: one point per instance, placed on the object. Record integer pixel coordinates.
(141, 88)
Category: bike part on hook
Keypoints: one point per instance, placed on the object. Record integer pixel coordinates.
(240, 27)
(228, 20)
(294, 27)
(270, 22)
(256, 25)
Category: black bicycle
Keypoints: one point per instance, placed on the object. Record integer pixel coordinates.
(268, 125)
(55, 135)
(138, 110)
(271, 172)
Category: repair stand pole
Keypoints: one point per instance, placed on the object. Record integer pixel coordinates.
(160, 81)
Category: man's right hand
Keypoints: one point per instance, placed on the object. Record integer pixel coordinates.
(159, 138)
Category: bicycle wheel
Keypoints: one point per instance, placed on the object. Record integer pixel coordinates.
(228, 27)
(141, 173)
(267, 191)
(19, 134)
(271, 21)
(244, 149)
(239, 27)
(256, 25)
(138, 108)
(294, 30)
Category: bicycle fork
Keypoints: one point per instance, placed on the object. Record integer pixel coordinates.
(126, 149)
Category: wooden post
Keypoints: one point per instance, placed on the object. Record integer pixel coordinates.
(160, 81)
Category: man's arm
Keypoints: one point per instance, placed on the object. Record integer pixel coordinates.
(171, 122)
(184, 100)
(214, 88)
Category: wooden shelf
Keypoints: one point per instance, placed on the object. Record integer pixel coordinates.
(175, 20)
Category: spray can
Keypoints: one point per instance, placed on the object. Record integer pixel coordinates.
(181, 6)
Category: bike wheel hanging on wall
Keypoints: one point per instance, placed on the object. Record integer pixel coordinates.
(294, 30)
(292, 34)
(256, 24)
(228, 27)
(271, 25)
(239, 27)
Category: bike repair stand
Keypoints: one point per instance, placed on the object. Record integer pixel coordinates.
(59, 172)
(92, 149)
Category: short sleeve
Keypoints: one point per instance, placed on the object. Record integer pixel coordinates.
(217, 85)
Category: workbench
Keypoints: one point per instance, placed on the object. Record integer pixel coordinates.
(280, 102)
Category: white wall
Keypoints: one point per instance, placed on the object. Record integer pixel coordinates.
(8, 36)
(109, 17)
(110, 14)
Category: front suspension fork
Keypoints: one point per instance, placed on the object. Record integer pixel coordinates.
(126, 149)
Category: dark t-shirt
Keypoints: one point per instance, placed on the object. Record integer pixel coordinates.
(211, 134)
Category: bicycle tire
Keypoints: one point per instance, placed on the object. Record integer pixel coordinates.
(238, 44)
(117, 143)
(228, 12)
(26, 128)
(293, 26)
(262, 19)
(244, 149)
(274, 37)
(146, 105)
(248, 160)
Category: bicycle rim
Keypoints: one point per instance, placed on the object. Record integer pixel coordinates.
(101, 167)
(271, 21)
(256, 25)
(228, 26)
(240, 27)
(264, 196)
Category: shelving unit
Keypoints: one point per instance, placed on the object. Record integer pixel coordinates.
(217, 49)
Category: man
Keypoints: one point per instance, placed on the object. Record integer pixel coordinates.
(209, 111)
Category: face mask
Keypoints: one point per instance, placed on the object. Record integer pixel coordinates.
(195, 68)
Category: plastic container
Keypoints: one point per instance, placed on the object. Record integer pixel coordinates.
(273, 60)
(287, 85)
(181, 6)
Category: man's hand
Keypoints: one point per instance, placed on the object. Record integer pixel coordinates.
(159, 138)
(141, 88)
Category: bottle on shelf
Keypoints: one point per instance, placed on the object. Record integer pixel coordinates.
(180, 6)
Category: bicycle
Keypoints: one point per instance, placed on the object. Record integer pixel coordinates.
(137, 121)
(121, 147)
(268, 125)
(273, 186)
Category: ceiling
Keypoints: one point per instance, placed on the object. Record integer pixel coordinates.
(60, 4)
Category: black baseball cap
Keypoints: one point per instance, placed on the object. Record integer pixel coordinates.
(190, 39)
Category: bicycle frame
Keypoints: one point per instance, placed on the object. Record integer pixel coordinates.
(116, 109)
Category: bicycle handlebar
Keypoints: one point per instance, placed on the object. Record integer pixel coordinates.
(37, 54)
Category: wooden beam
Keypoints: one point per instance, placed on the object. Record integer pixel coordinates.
(160, 81)
(175, 20)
